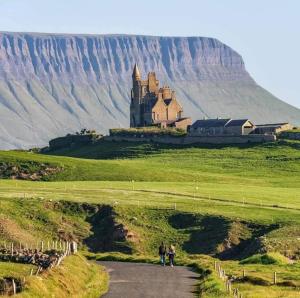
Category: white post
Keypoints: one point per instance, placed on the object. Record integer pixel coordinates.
(14, 287)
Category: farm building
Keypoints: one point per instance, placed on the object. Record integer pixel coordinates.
(272, 128)
(221, 127)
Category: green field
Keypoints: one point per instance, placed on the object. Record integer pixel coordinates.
(225, 202)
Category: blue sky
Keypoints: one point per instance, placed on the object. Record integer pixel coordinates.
(265, 32)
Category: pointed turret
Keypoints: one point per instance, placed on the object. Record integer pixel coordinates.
(136, 73)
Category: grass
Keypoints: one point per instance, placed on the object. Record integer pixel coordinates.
(76, 277)
(196, 197)
(15, 270)
(152, 131)
(266, 259)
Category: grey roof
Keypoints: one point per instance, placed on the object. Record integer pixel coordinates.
(210, 123)
(236, 122)
(272, 124)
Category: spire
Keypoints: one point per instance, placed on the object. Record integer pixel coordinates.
(136, 73)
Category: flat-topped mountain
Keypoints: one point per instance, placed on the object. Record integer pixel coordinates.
(53, 84)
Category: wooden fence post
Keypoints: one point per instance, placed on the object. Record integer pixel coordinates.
(14, 287)
(244, 273)
(275, 278)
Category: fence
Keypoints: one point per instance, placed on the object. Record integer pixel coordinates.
(228, 281)
(43, 256)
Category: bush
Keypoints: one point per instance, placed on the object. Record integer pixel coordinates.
(147, 132)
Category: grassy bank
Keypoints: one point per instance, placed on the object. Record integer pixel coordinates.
(76, 277)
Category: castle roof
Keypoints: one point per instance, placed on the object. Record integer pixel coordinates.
(136, 72)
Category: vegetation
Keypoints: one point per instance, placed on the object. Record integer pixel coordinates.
(76, 277)
(295, 129)
(235, 204)
(147, 131)
(266, 259)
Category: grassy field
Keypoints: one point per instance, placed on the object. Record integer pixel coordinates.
(224, 202)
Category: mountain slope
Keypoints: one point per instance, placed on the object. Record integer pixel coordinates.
(52, 84)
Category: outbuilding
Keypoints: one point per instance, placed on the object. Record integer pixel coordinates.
(239, 127)
(272, 128)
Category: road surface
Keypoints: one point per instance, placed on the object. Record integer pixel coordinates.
(139, 280)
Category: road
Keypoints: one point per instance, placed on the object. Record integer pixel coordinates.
(139, 280)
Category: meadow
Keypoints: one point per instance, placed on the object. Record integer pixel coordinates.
(204, 199)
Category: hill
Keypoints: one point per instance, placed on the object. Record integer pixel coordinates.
(53, 84)
(232, 204)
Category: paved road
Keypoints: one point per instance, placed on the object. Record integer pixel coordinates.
(135, 280)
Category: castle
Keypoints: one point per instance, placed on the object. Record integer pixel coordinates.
(152, 105)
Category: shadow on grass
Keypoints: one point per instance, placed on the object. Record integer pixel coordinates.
(220, 237)
(114, 150)
(107, 235)
(206, 232)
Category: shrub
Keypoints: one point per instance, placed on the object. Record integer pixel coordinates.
(147, 132)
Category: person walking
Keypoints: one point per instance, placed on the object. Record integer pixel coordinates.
(162, 250)
(171, 254)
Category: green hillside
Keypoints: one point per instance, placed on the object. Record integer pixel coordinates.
(230, 203)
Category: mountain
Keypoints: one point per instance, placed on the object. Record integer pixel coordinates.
(53, 84)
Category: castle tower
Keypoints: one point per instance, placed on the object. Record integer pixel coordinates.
(151, 105)
(135, 105)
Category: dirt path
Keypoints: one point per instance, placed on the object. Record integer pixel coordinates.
(135, 280)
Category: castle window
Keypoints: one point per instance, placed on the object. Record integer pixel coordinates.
(157, 116)
(153, 115)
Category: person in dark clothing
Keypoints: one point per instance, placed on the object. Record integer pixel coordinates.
(162, 250)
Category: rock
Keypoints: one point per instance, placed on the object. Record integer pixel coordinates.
(63, 83)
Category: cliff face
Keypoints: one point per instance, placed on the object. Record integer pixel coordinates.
(51, 85)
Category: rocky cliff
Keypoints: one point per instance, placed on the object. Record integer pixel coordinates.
(54, 84)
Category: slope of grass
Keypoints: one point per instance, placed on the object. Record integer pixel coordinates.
(266, 259)
(76, 277)
(266, 164)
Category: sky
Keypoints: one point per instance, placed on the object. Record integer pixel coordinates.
(265, 32)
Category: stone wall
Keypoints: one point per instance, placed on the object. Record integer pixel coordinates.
(290, 135)
(197, 140)
(70, 140)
